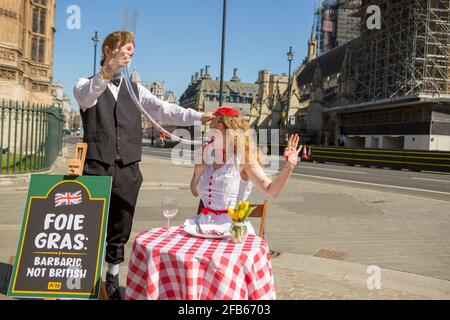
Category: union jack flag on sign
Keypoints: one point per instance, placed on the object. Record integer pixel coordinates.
(67, 198)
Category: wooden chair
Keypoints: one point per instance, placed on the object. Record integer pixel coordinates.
(259, 212)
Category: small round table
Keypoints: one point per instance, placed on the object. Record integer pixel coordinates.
(183, 267)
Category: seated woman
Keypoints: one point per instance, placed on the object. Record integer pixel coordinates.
(236, 165)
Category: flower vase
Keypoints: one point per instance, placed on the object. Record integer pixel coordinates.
(238, 232)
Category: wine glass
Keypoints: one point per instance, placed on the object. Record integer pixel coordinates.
(169, 208)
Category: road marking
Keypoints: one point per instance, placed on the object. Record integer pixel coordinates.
(168, 153)
(337, 170)
(160, 151)
(365, 183)
(416, 178)
(174, 161)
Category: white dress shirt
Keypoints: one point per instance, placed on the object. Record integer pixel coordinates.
(224, 187)
(87, 91)
(220, 189)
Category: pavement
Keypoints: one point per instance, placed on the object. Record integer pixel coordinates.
(331, 240)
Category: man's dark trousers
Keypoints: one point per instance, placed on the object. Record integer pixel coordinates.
(125, 189)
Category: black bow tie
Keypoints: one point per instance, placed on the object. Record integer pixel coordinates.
(116, 81)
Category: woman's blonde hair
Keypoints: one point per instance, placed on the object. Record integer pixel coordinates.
(116, 40)
(243, 141)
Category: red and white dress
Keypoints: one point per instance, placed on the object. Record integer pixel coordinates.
(220, 189)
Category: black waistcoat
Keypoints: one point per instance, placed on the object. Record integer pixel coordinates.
(113, 128)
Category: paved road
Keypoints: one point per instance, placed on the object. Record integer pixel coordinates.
(431, 185)
(369, 227)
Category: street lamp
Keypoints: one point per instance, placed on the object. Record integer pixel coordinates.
(224, 20)
(290, 57)
(95, 39)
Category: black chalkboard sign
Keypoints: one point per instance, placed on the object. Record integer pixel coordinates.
(60, 250)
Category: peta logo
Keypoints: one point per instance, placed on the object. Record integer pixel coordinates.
(374, 20)
(74, 19)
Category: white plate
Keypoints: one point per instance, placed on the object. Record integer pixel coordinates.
(192, 230)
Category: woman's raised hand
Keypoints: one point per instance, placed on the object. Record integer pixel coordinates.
(291, 152)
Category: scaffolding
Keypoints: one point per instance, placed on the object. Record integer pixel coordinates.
(408, 56)
(334, 23)
(347, 23)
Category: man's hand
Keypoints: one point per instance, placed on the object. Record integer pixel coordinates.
(208, 117)
(117, 58)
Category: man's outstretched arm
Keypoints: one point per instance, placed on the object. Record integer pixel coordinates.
(170, 113)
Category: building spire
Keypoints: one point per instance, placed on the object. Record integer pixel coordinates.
(312, 45)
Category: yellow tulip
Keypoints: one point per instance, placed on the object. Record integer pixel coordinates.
(238, 214)
(231, 212)
(241, 214)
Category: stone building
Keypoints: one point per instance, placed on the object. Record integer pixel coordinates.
(319, 86)
(203, 92)
(274, 97)
(266, 113)
(170, 96)
(157, 88)
(26, 50)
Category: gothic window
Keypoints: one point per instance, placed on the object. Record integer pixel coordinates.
(41, 2)
(41, 57)
(38, 28)
(39, 20)
(38, 49)
(35, 19)
(42, 21)
(34, 48)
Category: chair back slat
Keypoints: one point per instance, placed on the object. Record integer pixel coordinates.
(258, 211)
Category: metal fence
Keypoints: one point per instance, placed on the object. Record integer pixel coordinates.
(31, 136)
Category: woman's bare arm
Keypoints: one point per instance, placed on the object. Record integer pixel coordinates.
(257, 175)
(198, 170)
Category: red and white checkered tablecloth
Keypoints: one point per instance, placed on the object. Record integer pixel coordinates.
(184, 267)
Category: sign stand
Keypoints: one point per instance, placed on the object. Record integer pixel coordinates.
(75, 168)
(76, 164)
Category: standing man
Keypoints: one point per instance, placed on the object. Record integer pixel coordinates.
(113, 132)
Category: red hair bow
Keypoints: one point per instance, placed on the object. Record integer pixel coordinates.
(226, 111)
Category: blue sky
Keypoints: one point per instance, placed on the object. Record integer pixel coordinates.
(175, 38)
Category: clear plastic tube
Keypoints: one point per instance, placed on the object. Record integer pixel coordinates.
(126, 77)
